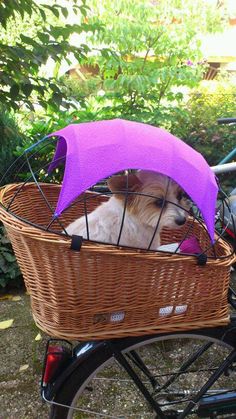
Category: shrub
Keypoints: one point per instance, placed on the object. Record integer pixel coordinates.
(10, 136)
(197, 122)
(9, 270)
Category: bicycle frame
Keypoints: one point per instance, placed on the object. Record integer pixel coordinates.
(232, 154)
(114, 348)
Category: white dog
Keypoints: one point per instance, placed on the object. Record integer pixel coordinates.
(161, 205)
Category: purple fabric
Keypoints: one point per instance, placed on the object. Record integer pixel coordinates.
(95, 150)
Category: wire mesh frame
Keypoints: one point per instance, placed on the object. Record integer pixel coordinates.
(109, 193)
(45, 142)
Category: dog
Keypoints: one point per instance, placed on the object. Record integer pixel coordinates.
(154, 202)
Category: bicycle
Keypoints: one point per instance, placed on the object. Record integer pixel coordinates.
(156, 365)
(88, 358)
(74, 369)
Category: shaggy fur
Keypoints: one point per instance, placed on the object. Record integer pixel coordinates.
(142, 212)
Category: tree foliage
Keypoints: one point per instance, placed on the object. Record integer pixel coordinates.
(41, 34)
(155, 48)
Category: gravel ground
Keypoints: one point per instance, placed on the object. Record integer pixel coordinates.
(20, 362)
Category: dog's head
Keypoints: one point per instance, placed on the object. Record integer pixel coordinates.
(154, 198)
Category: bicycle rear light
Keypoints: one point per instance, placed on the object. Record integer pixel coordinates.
(229, 232)
(56, 358)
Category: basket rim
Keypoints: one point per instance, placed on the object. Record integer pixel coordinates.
(39, 233)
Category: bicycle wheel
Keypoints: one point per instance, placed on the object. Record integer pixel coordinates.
(173, 368)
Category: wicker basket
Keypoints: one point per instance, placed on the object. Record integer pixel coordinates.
(103, 291)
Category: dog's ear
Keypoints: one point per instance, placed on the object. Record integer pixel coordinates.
(120, 183)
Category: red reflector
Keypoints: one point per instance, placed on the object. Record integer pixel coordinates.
(53, 359)
(230, 233)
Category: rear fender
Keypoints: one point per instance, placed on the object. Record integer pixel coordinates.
(81, 353)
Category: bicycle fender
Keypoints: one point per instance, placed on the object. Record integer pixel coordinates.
(81, 353)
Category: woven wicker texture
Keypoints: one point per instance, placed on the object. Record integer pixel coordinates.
(103, 291)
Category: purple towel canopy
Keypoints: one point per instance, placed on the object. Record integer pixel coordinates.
(95, 150)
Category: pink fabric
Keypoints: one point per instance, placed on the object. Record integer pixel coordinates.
(95, 150)
(190, 245)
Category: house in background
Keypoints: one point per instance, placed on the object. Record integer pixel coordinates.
(219, 50)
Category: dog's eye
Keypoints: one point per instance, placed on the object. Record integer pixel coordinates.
(160, 202)
(180, 195)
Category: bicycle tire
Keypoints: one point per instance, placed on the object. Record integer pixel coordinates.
(79, 382)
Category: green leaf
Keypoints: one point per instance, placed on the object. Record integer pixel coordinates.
(83, 10)
(64, 11)
(9, 257)
(14, 91)
(57, 98)
(4, 239)
(4, 248)
(44, 37)
(3, 265)
(27, 40)
(27, 89)
(42, 13)
(52, 9)
(3, 280)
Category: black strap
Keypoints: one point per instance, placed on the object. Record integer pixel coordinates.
(76, 242)
(202, 259)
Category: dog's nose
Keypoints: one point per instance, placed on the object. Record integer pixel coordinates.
(180, 220)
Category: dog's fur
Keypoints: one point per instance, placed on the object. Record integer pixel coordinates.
(142, 212)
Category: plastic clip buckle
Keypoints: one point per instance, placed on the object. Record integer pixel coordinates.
(202, 259)
(76, 242)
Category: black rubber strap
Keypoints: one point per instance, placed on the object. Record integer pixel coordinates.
(202, 259)
(76, 242)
